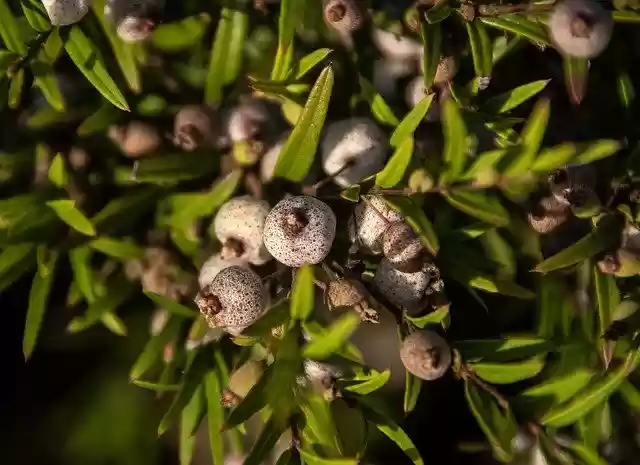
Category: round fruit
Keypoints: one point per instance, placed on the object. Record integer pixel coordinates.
(343, 15)
(425, 354)
(370, 219)
(580, 28)
(395, 46)
(406, 290)
(246, 121)
(134, 21)
(66, 12)
(352, 150)
(234, 299)
(193, 127)
(239, 225)
(548, 214)
(214, 265)
(300, 230)
(270, 159)
(136, 139)
(401, 246)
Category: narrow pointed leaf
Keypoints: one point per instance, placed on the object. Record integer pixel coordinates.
(597, 150)
(253, 402)
(411, 122)
(502, 103)
(310, 61)
(320, 424)
(171, 305)
(335, 336)
(481, 48)
(631, 395)
(153, 349)
(15, 90)
(188, 418)
(10, 30)
(302, 297)
(394, 170)
(70, 214)
(87, 58)
(274, 316)
(455, 141)
(431, 35)
(15, 260)
(380, 110)
(36, 15)
(114, 296)
(554, 391)
(507, 373)
(502, 350)
(480, 205)
(116, 248)
(412, 387)
(532, 136)
(554, 157)
(298, 153)
(290, 15)
(518, 25)
(576, 72)
(156, 386)
(226, 53)
(586, 454)
(312, 459)
(57, 171)
(607, 298)
(99, 120)
(417, 219)
(432, 318)
(369, 384)
(271, 432)
(215, 416)
(626, 89)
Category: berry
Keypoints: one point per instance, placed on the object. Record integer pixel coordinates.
(369, 221)
(387, 72)
(136, 139)
(395, 46)
(416, 91)
(580, 28)
(564, 181)
(246, 121)
(352, 150)
(425, 354)
(548, 214)
(401, 246)
(300, 230)
(193, 127)
(66, 12)
(446, 70)
(134, 20)
(343, 15)
(406, 290)
(234, 299)
(623, 263)
(214, 265)
(238, 225)
(350, 293)
(270, 158)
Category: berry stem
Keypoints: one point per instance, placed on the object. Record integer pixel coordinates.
(312, 190)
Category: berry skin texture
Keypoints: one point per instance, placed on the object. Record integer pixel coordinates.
(343, 15)
(401, 246)
(214, 265)
(580, 28)
(369, 221)
(136, 139)
(66, 12)
(193, 127)
(357, 142)
(425, 354)
(548, 214)
(239, 225)
(300, 230)
(234, 299)
(405, 290)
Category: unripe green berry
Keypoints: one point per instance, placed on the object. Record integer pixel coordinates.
(426, 355)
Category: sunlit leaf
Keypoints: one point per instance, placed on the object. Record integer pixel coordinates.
(434, 317)
(157, 386)
(290, 15)
(57, 172)
(502, 350)
(481, 48)
(320, 424)
(509, 100)
(554, 391)
(455, 141)
(171, 305)
(411, 122)
(519, 25)
(10, 30)
(367, 383)
(626, 89)
(506, 373)
(117, 248)
(593, 151)
(70, 214)
(381, 111)
(395, 168)
(532, 135)
(302, 296)
(481, 205)
(310, 61)
(417, 219)
(576, 71)
(333, 338)
(412, 387)
(501, 252)
(116, 294)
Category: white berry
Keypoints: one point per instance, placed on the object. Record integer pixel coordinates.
(370, 219)
(406, 290)
(425, 354)
(580, 28)
(214, 265)
(66, 12)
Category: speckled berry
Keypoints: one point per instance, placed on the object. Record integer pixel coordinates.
(300, 231)
(425, 354)
(246, 121)
(193, 127)
(134, 20)
(406, 290)
(401, 246)
(396, 46)
(239, 225)
(66, 12)
(324, 374)
(136, 139)
(352, 150)
(580, 28)
(345, 16)
(370, 219)
(234, 299)
(548, 214)
(214, 265)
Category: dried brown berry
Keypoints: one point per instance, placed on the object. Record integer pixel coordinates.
(425, 354)
(402, 247)
(349, 293)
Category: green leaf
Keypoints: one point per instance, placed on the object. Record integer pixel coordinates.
(157, 386)
(57, 172)
(190, 415)
(592, 395)
(455, 141)
(67, 212)
(15, 89)
(625, 16)
(507, 373)
(532, 135)
(320, 425)
(586, 455)
(631, 395)
(275, 315)
(554, 391)
(496, 423)
(390, 429)
(481, 205)
(121, 212)
(10, 30)
(253, 402)
(268, 438)
(38, 297)
(373, 380)
(15, 260)
(379, 108)
(80, 259)
(554, 157)
(412, 387)
(607, 298)
(191, 381)
(351, 193)
(171, 305)
(125, 53)
(36, 15)
(395, 168)
(417, 219)
(500, 251)
(99, 120)
(312, 459)
(177, 36)
(290, 15)
(302, 296)
(411, 122)
(518, 25)
(116, 248)
(553, 298)
(484, 165)
(310, 61)
(597, 150)
(86, 57)
(603, 236)
(431, 318)
(576, 72)
(226, 53)
(215, 416)
(328, 343)
(115, 295)
(626, 89)
(502, 350)
(432, 49)
(438, 12)
(502, 103)
(481, 48)
(298, 153)
(167, 169)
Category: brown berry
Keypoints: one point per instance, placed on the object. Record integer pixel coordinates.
(425, 354)
(402, 247)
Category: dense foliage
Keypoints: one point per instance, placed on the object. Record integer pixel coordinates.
(503, 135)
